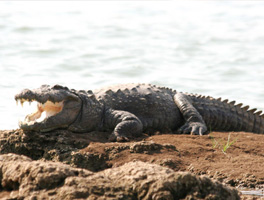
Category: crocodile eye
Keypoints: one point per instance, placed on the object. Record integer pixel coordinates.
(89, 91)
(59, 87)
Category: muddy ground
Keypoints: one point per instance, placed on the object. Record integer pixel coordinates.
(239, 164)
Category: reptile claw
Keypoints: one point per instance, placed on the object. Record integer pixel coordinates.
(122, 139)
(194, 128)
(114, 138)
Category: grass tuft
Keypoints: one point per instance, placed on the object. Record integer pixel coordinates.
(221, 144)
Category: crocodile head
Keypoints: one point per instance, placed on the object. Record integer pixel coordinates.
(61, 105)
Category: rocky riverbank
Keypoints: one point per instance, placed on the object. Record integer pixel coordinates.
(65, 165)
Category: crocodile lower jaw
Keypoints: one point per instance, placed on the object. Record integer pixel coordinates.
(43, 112)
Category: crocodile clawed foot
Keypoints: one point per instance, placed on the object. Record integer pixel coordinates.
(193, 128)
(122, 139)
(117, 138)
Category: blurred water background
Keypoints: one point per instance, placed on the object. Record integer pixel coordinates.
(214, 48)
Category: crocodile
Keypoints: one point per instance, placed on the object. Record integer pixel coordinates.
(128, 110)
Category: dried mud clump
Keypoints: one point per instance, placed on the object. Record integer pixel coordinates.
(27, 179)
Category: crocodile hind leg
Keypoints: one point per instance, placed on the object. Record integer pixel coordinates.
(125, 124)
(194, 123)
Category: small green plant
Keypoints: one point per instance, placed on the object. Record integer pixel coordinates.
(222, 144)
(215, 142)
(228, 143)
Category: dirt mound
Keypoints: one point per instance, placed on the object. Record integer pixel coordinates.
(29, 179)
(240, 165)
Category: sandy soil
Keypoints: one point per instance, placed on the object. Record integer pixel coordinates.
(241, 165)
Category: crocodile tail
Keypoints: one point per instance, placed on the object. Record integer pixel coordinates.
(224, 115)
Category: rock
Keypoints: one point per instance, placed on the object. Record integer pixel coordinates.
(29, 179)
(149, 147)
(60, 146)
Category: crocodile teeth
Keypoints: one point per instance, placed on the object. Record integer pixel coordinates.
(23, 123)
(22, 101)
(43, 111)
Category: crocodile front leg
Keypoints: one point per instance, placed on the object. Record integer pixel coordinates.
(194, 123)
(124, 124)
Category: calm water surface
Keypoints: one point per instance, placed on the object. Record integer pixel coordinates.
(212, 48)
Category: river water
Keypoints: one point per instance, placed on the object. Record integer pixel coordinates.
(213, 48)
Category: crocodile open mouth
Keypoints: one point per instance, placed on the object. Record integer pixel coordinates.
(57, 108)
(43, 112)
